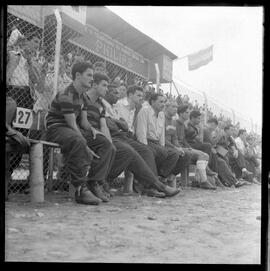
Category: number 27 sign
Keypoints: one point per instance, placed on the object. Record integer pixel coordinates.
(24, 118)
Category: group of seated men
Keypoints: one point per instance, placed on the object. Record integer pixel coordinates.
(101, 136)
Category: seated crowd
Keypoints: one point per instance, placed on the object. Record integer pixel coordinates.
(105, 128)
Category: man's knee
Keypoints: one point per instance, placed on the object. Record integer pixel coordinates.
(173, 154)
(107, 145)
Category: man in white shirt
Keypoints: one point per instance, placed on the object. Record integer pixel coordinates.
(130, 154)
(243, 146)
(240, 141)
(150, 130)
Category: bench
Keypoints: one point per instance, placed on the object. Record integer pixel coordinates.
(35, 159)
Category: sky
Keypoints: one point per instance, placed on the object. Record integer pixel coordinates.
(234, 77)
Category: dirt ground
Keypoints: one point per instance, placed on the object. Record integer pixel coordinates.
(196, 226)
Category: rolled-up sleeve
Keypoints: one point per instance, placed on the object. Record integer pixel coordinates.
(141, 127)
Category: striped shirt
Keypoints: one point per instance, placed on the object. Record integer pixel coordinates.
(67, 101)
(95, 111)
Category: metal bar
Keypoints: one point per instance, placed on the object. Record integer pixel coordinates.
(50, 170)
(57, 49)
(34, 141)
(36, 173)
(157, 76)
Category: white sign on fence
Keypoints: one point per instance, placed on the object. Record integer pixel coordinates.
(24, 118)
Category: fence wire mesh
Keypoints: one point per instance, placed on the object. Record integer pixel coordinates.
(30, 82)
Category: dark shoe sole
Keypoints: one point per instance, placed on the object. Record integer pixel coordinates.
(208, 188)
(173, 194)
(87, 203)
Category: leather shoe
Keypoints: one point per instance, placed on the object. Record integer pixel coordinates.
(195, 184)
(210, 172)
(206, 185)
(97, 190)
(246, 174)
(106, 189)
(84, 196)
(151, 192)
(169, 191)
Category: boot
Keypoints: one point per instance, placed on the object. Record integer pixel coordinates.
(152, 192)
(84, 196)
(97, 190)
(246, 174)
(218, 182)
(169, 191)
(106, 189)
(210, 172)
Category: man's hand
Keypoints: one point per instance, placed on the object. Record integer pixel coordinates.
(181, 151)
(235, 153)
(214, 150)
(95, 132)
(91, 153)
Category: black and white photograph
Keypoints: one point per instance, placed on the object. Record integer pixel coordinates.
(134, 134)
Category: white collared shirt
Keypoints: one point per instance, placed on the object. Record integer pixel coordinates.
(110, 111)
(123, 108)
(149, 126)
(240, 145)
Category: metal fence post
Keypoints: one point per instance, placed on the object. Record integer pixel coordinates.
(57, 48)
(50, 170)
(205, 102)
(157, 76)
(36, 173)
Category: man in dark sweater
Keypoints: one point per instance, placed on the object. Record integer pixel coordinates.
(197, 156)
(66, 125)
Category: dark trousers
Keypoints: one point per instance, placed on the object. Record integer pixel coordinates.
(207, 148)
(73, 147)
(100, 167)
(237, 164)
(127, 158)
(11, 108)
(143, 150)
(165, 158)
(182, 163)
(224, 172)
(204, 147)
(252, 164)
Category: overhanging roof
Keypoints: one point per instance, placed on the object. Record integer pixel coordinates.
(114, 26)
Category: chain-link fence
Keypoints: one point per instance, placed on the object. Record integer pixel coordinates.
(31, 76)
(214, 109)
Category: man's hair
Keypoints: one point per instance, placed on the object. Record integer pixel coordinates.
(154, 97)
(194, 114)
(98, 77)
(228, 127)
(213, 120)
(241, 131)
(80, 67)
(132, 89)
(170, 101)
(181, 109)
